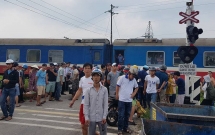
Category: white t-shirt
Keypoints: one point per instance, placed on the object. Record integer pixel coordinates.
(85, 83)
(126, 88)
(204, 89)
(151, 83)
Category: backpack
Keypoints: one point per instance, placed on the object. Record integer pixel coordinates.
(210, 92)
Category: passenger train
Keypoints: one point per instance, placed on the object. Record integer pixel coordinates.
(152, 52)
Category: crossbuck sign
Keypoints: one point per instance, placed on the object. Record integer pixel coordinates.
(190, 17)
(187, 69)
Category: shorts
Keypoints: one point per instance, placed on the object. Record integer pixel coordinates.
(180, 99)
(81, 115)
(40, 90)
(50, 87)
(17, 90)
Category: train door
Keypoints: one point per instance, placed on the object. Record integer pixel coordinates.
(119, 56)
(96, 57)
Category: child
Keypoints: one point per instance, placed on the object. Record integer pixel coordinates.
(96, 105)
(151, 86)
(181, 88)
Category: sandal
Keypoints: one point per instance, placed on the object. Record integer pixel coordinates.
(8, 118)
(119, 132)
(18, 105)
(127, 131)
(38, 104)
(2, 117)
(43, 102)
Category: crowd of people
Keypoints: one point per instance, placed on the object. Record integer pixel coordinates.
(128, 84)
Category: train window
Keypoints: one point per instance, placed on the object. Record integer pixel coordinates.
(13, 54)
(96, 56)
(33, 55)
(209, 59)
(176, 59)
(155, 58)
(55, 56)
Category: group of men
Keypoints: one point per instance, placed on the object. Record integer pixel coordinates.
(95, 87)
(49, 82)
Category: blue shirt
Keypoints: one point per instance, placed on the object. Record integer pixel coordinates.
(163, 78)
(142, 75)
(181, 86)
(41, 81)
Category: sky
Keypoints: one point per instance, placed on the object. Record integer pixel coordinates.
(81, 19)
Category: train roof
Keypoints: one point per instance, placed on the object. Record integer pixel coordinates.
(101, 42)
(163, 42)
(54, 42)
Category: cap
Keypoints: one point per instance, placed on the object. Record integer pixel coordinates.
(152, 69)
(163, 67)
(35, 66)
(133, 70)
(51, 64)
(146, 67)
(55, 64)
(63, 63)
(96, 71)
(9, 61)
(114, 64)
(25, 66)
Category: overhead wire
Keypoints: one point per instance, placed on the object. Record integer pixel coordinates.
(155, 4)
(163, 9)
(54, 18)
(82, 22)
(116, 27)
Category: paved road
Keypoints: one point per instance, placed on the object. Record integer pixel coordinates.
(53, 118)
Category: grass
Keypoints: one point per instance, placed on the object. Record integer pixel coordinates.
(146, 115)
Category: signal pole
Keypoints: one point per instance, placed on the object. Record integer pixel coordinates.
(111, 13)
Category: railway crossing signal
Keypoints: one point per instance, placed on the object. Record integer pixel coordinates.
(193, 34)
(187, 53)
(190, 17)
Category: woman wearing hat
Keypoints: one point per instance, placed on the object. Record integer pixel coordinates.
(32, 79)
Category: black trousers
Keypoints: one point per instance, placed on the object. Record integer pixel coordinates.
(65, 86)
(21, 94)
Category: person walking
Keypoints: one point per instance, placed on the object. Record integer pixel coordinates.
(10, 79)
(32, 80)
(41, 84)
(22, 84)
(125, 95)
(51, 75)
(85, 83)
(151, 86)
(60, 80)
(163, 77)
(141, 80)
(96, 105)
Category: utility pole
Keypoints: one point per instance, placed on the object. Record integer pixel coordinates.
(111, 13)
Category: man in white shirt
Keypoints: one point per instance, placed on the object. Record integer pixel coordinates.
(151, 86)
(125, 95)
(85, 83)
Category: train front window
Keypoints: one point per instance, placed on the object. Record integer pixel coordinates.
(33, 55)
(13, 54)
(209, 59)
(56, 56)
(155, 58)
(176, 59)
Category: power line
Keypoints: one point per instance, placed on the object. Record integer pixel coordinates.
(163, 9)
(63, 14)
(116, 26)
(50, 17)
(83, 24)
(156, 4)
(145, 4)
